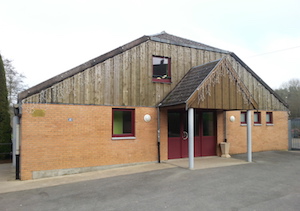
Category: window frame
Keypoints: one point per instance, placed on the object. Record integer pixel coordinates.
(258, 122)
(162, 80)
(271, 118)
(243, 113)
(132, 134)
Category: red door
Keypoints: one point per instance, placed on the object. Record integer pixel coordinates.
(205, 133)
(177, 134)
(204, 137)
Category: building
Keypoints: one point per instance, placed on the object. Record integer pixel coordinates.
(137, 104)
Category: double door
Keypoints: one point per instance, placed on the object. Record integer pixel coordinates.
(204, 133)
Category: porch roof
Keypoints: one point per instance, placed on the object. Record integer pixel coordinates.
(189, 83)
(195, 88)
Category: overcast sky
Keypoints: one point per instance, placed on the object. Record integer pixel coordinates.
(47, 37)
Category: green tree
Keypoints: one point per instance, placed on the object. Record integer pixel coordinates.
(5, 127)
(290, 92)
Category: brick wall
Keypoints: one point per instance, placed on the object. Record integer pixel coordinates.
(264, 137)
(75, 136)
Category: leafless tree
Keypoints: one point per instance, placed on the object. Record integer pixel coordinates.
(290, 92)
(14, 81)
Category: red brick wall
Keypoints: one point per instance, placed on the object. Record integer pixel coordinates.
(264, 137)
(49, 141)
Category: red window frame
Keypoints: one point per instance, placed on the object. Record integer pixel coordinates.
(132, 133)
(245, 114)
(270, 114)
(164, 80)
(258, 121)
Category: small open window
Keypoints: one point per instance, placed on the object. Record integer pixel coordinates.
(161, 69)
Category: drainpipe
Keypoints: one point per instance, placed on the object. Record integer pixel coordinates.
(16, 140)
(225, 126)
(191, 137)
(249, 136)
(158, 133)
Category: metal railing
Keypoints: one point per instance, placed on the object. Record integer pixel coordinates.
(294, 134)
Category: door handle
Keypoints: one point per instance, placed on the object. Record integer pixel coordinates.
(185, 135)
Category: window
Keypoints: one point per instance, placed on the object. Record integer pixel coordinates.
(161, 69)
(208, 123)
(123, 122)
(243, 117)
(257, 119)
(269, 118)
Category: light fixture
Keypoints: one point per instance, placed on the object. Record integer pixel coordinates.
(232, 119)
(147, 118)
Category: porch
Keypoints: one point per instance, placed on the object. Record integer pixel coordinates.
(206, 162)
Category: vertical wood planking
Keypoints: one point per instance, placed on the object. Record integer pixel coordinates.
(200, 55)
(211, 103)
(194, 57)
(107, 85)
(166, 88)
(187, 60)
(116, 82)
(180, 64)
(174, 65)
(133, 78)
(218, 94)
(98, 90)
(143, 72)
(156, 49)
(81, 87)
(92, 85)
(137, 75)
(126, 77)
(206, 57)
(225, 90)
(86, 91)
(111, 81)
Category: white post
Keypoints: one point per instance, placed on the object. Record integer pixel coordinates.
(191, 137)
(14, 139)
(249, 136)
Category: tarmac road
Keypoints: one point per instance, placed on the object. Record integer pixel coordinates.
(271, 182)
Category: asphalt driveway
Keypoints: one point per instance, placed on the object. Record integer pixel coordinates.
(271, 182)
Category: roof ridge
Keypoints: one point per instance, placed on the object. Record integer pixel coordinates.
(165, 37)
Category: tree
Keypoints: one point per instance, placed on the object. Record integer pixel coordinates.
(14, 81)
(290, 92)
(5, 127)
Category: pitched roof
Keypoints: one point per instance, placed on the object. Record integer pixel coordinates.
(188, 84)
(171, 39)
(161, 37)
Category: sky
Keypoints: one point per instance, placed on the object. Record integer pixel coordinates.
(44, 38)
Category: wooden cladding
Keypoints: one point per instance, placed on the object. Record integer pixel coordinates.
(126, 80)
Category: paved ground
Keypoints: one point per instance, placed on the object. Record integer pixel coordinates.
(9, 184)
(271, 182)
